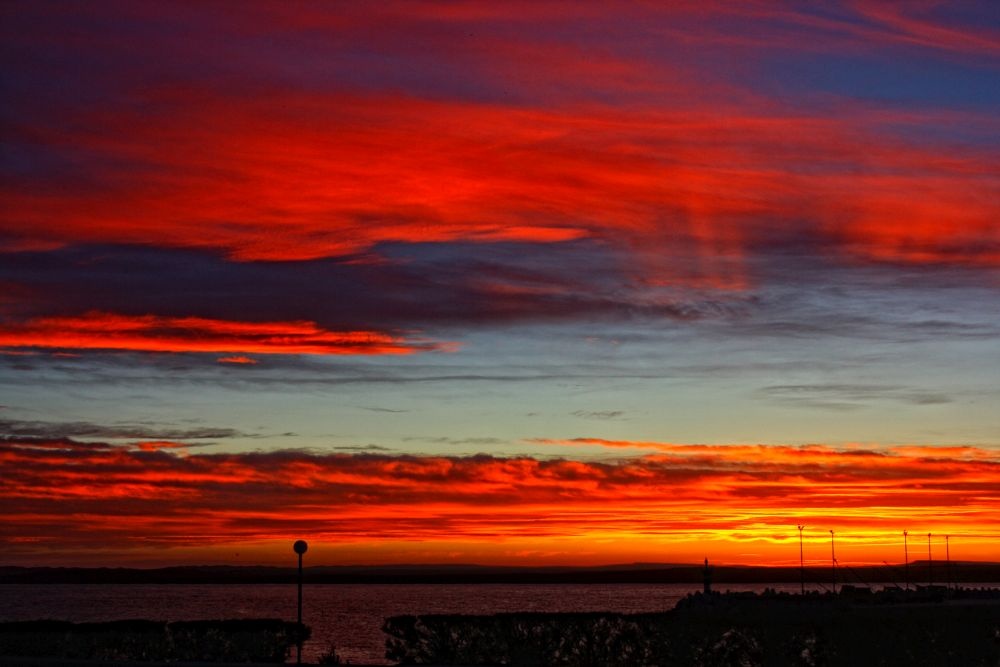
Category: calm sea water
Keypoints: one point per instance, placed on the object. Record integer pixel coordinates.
(349, 616)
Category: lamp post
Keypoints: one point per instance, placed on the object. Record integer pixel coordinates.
(802, 563)
(906, 561)
(833, 563)
(300, 548)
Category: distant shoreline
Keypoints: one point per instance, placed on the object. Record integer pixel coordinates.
(642, 573)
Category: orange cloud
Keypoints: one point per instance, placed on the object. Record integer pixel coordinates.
(151, 333)
(237, 359)
(684, 497)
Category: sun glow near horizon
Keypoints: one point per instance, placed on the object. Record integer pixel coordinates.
(160, 502)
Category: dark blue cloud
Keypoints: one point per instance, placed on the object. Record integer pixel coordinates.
(400, 286)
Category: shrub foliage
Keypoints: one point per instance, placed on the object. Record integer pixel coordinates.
(239, 640)
(745, 635)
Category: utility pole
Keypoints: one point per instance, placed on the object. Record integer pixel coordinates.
(930, 572)
(833, 563)
(802, 563)
(947, 556)
(906, 561)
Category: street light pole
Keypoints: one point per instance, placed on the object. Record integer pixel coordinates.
(802, 563)
(300, 548)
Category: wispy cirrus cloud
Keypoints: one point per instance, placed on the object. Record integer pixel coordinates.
(239, 360)
(599, 414)
(850, 396)
(678, 178)
(712, 181)
(448, 440)
(642, 146)
(151, 333)
(54, 430)
(79, 299)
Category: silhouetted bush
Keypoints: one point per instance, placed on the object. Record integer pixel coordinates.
(241, 640)
(747, 632)
(329, 656)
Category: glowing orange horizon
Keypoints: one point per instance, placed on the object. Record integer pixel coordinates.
(739, 504)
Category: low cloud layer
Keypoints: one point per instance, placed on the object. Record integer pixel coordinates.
(153, 495)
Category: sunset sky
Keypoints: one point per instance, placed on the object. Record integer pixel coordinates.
(498, 282)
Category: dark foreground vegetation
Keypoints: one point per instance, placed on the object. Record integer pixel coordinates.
(745, 630)
(242, 640)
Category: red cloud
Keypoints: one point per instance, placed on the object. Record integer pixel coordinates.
(146, 495)
(150, 333)
(686, 168)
